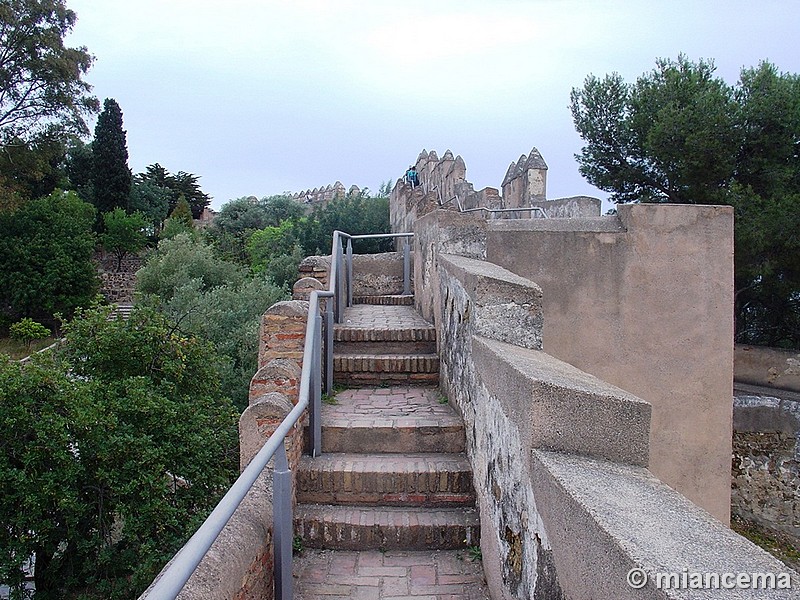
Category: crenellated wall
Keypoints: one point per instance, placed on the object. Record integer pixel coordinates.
(324, 194)
(443, 184)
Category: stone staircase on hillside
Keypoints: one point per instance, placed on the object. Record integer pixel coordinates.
(393, 474)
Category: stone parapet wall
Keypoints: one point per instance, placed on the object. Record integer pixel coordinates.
(771, 367)
(567, 506)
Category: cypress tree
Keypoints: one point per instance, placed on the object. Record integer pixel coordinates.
(111, 177)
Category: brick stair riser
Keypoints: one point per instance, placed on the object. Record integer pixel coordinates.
(349, 528)
(384, 300)
(388, 480)
(420, 363)
(385, 347)
(397, 440)
(362, 334)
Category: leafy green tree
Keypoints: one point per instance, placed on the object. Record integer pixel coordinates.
(31, 169)
(680, 134)
(41, 86)
(181, 184)
(212, 298)
(120, 438)
(186, 185)
(670, 137)
(355, 214)
(78, 167)
(182, 212)
(124, 233)
(151, 200)
(111, 177)
(28, 331)
(182, 259)
(46, 248)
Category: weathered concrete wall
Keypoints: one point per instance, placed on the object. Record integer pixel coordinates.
(644, 301)
(771, 367)
(567, 506)
(373, 274)
(574, 207)
(766, 459)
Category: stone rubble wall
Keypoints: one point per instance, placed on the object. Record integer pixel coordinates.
(559, 457)
(766, 459)
(117, 286)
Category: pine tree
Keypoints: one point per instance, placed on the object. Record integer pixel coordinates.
(111, 177)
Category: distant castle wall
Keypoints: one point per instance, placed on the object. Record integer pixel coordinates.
(323, 195)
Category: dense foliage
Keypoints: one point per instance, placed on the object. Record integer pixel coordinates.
(213, 298)
(681, 134)
(272, 235)
(46, 250)
(115, 447)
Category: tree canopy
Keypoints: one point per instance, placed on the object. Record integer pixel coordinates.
(681, 134)
(41, 85)
(180, 184)
(115, 448)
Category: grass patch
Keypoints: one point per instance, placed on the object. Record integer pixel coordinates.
(774, 542)
(331, 398)
(17, 349)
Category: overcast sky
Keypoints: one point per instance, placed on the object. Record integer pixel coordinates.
(258, 97)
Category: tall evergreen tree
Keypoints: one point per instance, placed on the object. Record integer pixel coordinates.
(111, 177)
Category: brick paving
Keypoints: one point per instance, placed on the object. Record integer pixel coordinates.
(382, 317)
(391, 575)
(398, 406)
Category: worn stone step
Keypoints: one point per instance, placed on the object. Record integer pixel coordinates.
(386, 528)
(386, 479)
(367, 378)
(391, 420)
(385, 363)
(386, 300)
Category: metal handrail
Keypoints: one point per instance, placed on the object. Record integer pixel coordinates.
(173, 579)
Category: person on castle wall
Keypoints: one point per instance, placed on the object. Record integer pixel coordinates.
(412, 177)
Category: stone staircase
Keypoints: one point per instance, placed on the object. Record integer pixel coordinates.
(385, 344)
(393, 474)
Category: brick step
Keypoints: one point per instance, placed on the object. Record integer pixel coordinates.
(435, 480)
(385, 363)
(386, 300)
(383, 435)
(386, 528)
(344, 333)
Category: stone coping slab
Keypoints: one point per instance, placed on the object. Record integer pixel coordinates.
(559, 407)
(619, 517)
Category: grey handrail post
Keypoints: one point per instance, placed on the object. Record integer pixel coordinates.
(349, 272)
(282, 524)
(329, 345)
(406, 268)
(315, 401)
